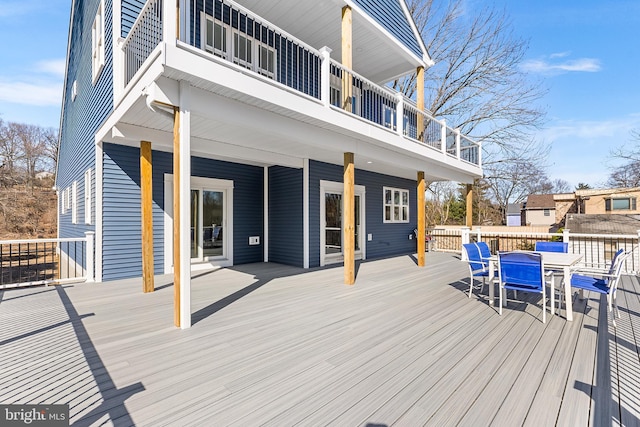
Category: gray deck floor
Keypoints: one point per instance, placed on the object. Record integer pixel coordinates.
(280, 346)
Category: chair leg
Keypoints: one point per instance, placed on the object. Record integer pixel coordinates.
(500, 290)
(544, 305)
(615, 303)
(470, 285)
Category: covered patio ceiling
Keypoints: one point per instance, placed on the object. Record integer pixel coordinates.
(375, 55)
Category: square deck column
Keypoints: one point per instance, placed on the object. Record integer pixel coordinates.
(421, 220)
(146, 199)
(469, 200)
(349, 220)
(182, 209)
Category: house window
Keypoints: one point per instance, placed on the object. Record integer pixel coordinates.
(242, 47)
(214, 37)
(87, 197)
(620, 204)
(97, 45)
(66, 200)
(266, 61)
(396, 205)
(546, 212)
(74, 203)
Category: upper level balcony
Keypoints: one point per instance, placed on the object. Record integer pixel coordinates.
(222, 47)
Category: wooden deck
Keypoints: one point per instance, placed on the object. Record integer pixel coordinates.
(280, 346)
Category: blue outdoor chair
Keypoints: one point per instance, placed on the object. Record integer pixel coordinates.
(485, 252)
(552, 247)
(602, 282)
(523, 271)
(477, 267)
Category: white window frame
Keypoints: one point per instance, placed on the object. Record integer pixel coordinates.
(393, 205)
(87, 197)
(66, 200)
(226, 30)
(250, 64)
(74, 202)
(63, 201)
(259, 68)
(97, 43)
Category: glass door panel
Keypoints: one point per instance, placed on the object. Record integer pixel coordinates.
(333, 223)
(212, 223)
(195, 229)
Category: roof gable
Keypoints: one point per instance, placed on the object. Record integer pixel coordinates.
(540, 201)
(393, 18)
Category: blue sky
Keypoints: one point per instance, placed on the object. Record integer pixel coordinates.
(587, 53)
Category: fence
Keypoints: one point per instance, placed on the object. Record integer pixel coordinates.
(46, 261)
(597, 249)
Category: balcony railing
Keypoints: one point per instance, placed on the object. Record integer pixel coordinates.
(145, 35)
(46, 261)
(234, 35)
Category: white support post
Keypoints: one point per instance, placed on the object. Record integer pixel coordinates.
(478, 234)
(465, 239)
(170, 23)
(565, 235)
(457, 133)
(89, 265)
(443, 136)
(325, 76)
(400, 114)
(185, 205)
(466, 231)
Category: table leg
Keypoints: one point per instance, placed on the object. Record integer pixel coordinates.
(567, 294)
(553, 294)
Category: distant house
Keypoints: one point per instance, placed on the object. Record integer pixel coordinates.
(617, 201)
(44, 175)
(565, 203)
(514, 214)
(603, 223)
(540, 210)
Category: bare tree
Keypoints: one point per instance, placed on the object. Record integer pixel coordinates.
(33, 148)
(628, 173)
(10, 153)
(440, 198)
(477, 83)
(511, 182)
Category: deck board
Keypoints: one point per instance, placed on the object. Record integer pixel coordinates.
(278, 345)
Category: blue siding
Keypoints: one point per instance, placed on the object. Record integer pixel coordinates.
(388, 239)
(84, 115)
(122, 236)
(130, 10)
(285, 216)
(390, 15)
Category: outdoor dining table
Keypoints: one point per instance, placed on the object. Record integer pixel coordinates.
(555, 261)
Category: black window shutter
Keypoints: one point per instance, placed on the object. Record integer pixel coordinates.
(607, 204)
